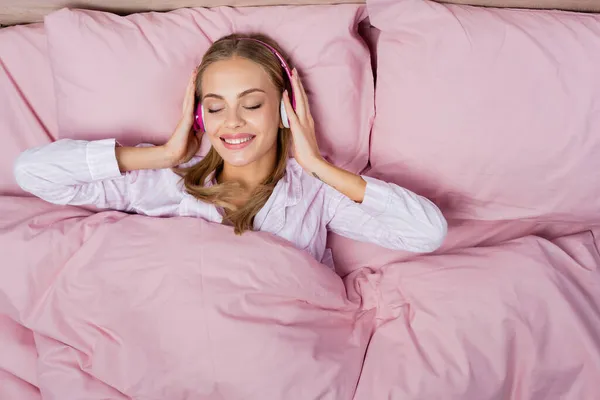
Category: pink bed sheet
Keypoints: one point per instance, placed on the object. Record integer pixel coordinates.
(462, 234)
(111, 305)
(520, 320)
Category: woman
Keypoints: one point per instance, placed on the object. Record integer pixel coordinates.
(247, 179)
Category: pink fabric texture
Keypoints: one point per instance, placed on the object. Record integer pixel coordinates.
(116, 306)
(492, 113)
(128, 306)
(124, 77)
(351, 256)
(27, 106)
(513, 321)
(18, 374)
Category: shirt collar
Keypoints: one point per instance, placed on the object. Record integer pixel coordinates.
(287, 193)
(293, 181)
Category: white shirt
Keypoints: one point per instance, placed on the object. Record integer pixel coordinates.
(301, 208)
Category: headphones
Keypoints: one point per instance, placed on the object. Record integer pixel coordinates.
(199, 114)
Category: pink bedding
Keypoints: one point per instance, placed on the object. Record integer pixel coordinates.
(95, 54)
(116, 306)
(125, 306)
(514, 321)
(27, 106)
(491, 113)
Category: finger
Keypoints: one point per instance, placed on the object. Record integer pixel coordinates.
(190, 93)
(186, 97)
(188, 104)
(308, 115)
(302, 93)
(192, 83)
(292, 116)
(196, 80)
(300, 104)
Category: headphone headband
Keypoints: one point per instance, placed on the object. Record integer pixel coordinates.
(282, 61)
(199, 115)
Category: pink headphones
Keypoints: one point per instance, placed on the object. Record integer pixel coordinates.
(199, 115)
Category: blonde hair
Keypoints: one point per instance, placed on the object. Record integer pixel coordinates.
(195, 177)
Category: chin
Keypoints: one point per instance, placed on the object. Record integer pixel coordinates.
(243, 157)
(237, 158)
(238, 162)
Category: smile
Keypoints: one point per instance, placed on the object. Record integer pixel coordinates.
(237, 142)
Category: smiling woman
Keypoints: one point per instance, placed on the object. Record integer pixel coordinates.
(239, 84)
(255, 111)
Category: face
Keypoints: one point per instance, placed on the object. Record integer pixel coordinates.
(241, 110)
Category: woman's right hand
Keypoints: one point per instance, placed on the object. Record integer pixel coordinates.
(184, 143)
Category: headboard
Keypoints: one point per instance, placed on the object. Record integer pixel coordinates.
(25, 11)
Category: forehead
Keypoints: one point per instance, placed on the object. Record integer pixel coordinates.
(235, 74)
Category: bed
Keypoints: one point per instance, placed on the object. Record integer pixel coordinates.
(492, 112)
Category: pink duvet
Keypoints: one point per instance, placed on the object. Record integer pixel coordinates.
(119, 306)
(125, 306)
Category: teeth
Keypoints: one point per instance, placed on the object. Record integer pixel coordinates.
(237, 141)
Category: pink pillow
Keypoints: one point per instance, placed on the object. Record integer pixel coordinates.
(27, 105)
(494, 114)
(124, 77)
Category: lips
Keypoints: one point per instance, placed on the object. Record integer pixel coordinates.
(237, 141)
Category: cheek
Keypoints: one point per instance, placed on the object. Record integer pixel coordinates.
(214, 139)
(272, 119)
(264, 119)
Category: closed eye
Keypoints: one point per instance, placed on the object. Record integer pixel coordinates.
(256, 107)
(214, 111)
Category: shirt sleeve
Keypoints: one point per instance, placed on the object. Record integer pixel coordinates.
(389, 216)
(77, 172)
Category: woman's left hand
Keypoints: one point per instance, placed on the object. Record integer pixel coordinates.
(306, 149)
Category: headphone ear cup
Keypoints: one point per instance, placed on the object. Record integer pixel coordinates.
(284, 117)
(199, 118)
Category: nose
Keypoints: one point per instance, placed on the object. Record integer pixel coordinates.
(233, 118)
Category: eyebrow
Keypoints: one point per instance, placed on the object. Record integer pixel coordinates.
(244, 93)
